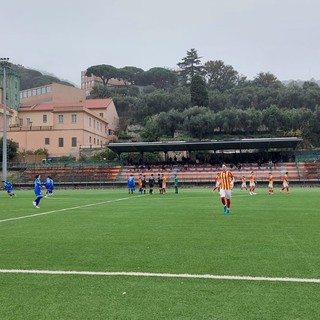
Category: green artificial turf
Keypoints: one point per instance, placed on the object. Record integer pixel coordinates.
(186, 233)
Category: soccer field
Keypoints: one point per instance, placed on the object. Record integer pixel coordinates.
(105, 254)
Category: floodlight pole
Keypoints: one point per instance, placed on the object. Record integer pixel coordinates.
(4, 62)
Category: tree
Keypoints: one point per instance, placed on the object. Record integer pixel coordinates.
(220, 76)
(200, 125)
(169, 122)
(12, 148)
(131, 75)
(190, 66)
(198, 92)
(266, 79)
(160, 78)
(272, 118)
(151, 130)
(103, 71)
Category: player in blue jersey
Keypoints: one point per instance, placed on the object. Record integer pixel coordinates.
(131, 184)
(49, 186)
(8, 186)
(37, 191)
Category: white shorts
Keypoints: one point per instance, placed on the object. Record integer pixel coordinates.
(244, 185)
(225, 194)
(285, 185)
(270, 185)
(252, 184)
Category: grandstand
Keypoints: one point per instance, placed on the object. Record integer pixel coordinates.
(304, 169)
(77, 174)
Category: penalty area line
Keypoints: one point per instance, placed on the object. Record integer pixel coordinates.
(67, 209)
(162, 275)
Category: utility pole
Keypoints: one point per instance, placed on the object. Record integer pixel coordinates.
(4, 62)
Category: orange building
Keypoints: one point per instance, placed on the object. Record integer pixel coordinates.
(54, 92)
(87, 83)
(63, 128)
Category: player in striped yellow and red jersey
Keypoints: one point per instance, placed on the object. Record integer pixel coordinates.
(270, 185)
(252, 183)
(285, 183)
(226, 178)
(243, 183)
(217, 182)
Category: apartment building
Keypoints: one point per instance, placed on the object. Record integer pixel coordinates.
(64, 128)
(13, 88)
(54, 92)
(88, 82)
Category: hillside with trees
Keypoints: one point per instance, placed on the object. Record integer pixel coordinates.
(209, 100)
(30, 78)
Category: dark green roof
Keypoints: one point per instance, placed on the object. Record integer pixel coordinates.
(214, 145)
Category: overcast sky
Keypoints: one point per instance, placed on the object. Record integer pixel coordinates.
(64, 37)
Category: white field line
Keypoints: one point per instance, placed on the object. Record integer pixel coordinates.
(67, 209)
(162, 275)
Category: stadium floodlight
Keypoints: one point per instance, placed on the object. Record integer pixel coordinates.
(4, 63)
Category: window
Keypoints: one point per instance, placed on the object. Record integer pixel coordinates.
(20, 122)
(74, 118)
(89, 122)
(48, 89)
(29, 122)
(60, 118)
(60, 142)
(43, 90)
(34, 92)
(46, 140)
(38, 91)
(101, 115)
(74, 141)
(89, 139)
(44, 118)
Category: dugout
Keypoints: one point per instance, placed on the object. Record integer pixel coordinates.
(229, 151)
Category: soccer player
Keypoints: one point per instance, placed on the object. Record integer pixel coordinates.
(8, 186)
(243, 183)
(144, 184)
(285, 183)
(270, 185)
(217, 182)
(164, 183)
(131, 184)
(159, 181)
(49, 186)
(151, 183)
(140, 184)
(176, 183)
(225, 188)
(37, 191)
(252, 183)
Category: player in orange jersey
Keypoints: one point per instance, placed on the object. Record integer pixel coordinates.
(164, 184)
(243, 183)
(285, 183)
(217, 182)
(252, 183)
(270, 185)
(226, 178)
(140, 184)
